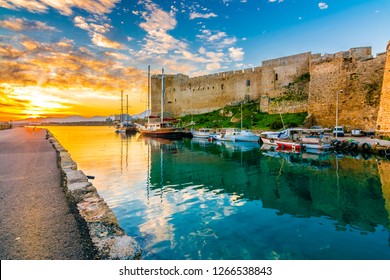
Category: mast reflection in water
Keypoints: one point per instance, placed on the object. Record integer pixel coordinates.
(198, 200)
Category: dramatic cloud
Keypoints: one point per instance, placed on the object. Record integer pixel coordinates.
(195, 15)
(322, 5)
(62, 6)
(90, 25)
(95, 30)
(237, 54)
(21, 24)
(102, 41)
(157, 24)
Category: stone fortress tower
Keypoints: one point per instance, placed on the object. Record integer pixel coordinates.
(383, 121)
(298, 83)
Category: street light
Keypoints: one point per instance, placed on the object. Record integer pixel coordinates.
(337, 109)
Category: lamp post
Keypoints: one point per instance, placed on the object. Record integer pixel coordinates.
(337, 110)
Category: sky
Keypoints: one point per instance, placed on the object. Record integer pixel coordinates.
(74, 57)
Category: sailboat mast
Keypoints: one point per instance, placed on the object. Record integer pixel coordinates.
(241, 115)
(127, 107)
(148, 94)
(162, 95)
(121, 117)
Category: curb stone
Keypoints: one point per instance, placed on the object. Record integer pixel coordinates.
(108, 238)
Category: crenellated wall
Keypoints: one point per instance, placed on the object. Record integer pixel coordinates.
(355, 75)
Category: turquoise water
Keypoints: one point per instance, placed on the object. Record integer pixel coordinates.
(197, 200)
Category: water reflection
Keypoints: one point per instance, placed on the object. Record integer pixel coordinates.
(194, 199)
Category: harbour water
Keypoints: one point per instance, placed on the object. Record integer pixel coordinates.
(192, 199)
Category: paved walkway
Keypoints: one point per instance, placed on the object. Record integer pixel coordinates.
(35, 219)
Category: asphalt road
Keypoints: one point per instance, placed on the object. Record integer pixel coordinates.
(36, 221)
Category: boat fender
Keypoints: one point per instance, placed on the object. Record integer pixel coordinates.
(271, 140)
(339, 144)
(366, 155)
(352, 146)
(381, 153)
(334, 142)
(366, 147)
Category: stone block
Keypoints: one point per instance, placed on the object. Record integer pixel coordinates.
(74, 176)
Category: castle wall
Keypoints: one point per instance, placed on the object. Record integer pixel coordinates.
(383, 122)
(278, 73)
(184, 95)
(354, 75)
(356, 78)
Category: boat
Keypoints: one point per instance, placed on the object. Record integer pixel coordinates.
(226, 134)
(164, 128)
(317, 140)
(203, 133)
(269, 137)
(290, 139)
(125, 126)
(247, 136)
(236, 134)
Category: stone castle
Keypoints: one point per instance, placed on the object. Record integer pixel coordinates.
(299, 83)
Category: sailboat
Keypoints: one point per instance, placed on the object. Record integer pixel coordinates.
(236, 134)
(125, 126)
(162, 129)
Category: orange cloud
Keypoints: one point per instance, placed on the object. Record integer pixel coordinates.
(63, 7)
(53, 79)
(20, 24)
(102, 41)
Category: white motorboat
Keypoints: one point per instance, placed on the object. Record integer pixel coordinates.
(203, 133)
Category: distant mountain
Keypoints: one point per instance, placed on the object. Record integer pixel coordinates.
(141, 115)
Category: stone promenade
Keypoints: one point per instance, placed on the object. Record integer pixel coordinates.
(35, 219)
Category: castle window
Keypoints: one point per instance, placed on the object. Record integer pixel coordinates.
(276, 77)
(213, 87)
(248, 83)
(222, 86)
(208, 88)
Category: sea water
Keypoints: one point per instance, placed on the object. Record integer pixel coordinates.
(191, 199)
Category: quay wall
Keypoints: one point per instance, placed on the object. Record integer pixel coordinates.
(355, 75)
(109, 240)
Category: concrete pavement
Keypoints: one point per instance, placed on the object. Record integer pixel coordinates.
(36, 221)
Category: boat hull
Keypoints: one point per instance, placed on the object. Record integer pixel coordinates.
(286, 145)
(268, 141)
(164, 134)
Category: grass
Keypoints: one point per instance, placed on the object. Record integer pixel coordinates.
(252, 118)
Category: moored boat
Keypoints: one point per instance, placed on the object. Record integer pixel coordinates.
(162, 129)
(203, 132)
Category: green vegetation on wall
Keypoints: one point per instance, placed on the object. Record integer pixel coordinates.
(296, 91)
(252, 118)
(373, 93)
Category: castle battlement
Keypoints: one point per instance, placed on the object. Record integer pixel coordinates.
(355, 72)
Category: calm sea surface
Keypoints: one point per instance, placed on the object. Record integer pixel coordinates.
(197, 200)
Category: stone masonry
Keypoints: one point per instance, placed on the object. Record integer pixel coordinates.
(355, 75)
(383, 122)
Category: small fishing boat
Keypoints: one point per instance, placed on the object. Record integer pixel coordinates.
(315, 139)
(247, 136)
(203, 133)
(226, 134)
